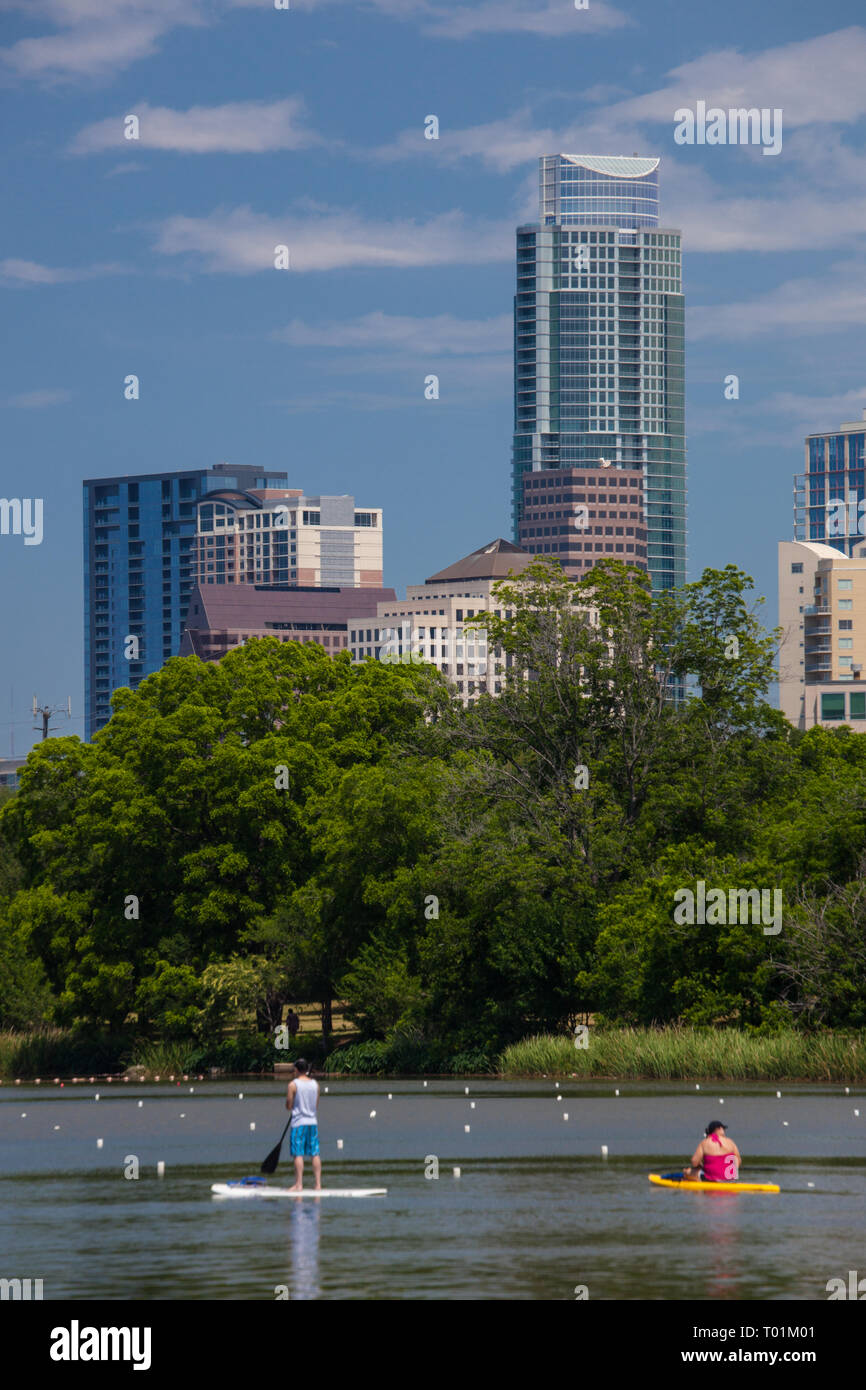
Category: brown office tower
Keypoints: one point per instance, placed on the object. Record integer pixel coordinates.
(583, 515)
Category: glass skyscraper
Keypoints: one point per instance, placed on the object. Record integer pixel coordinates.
(830, 497)
(599, 345)
(139, 571)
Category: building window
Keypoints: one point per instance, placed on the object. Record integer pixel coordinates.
(857, 705)
(833, 706)
(797, 569)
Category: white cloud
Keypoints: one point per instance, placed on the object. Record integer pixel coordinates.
(94, 38)
(241, 241)
(99, 38)
(237, 127)
(502, 145)
(805, 305)
(439, 333)
(843, 407)
(37, 400)
(18, 274)
(555, 19)
(817, 80)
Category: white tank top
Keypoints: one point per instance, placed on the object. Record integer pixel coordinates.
(304, 1104)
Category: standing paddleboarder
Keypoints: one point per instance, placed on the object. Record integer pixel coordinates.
(302, 1098)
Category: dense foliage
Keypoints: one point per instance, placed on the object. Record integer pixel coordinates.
(284, 826)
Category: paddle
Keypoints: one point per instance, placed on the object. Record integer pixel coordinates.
(273, 1158)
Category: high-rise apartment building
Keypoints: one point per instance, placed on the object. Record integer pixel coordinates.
(822, 653)
(139, 570)
(278, 536)
(830, 498)
(599, 346)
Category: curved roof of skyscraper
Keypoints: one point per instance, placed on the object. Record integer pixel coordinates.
(621, 165)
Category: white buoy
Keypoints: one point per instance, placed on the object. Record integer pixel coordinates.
(697, 1088)
(565, 1114)
(96, 1097)
(472, 1105)
(390, 1097)
(721, 1102)
(559, 1098)
(785, 1123)
(160, 1168)
(183, 1115)
(604, 1150)
(556, 1085)
(466, 1129)
(778, 1095)
(372, 1114)
(39, 1081)
(99, 1143)
(847, 1090)
(240, 1095)
(456, 1172)
(252, 1124)
(857, 1113)
(466, 1090)
(140, 1104)
(56, 1126)
(425, 1083)
(810, 1184)
(326, 1090)
(24, 1114)
(339, 1143)
(192, 1090)
(616, 1093)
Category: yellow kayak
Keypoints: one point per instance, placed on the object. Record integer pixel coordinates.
(689, 1185)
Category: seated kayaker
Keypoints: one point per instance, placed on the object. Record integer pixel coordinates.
(717, 1158)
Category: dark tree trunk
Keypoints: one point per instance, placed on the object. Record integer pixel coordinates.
(326, 1025)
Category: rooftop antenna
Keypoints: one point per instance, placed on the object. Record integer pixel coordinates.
(44, 712)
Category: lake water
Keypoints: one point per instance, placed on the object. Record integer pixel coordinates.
(536, 1212)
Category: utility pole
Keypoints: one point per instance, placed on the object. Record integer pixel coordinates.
(45, 712)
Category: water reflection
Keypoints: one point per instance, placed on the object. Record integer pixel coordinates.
(723, 1233)
(304, 1248)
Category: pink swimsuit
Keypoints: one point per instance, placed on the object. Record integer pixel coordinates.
(717, 1167)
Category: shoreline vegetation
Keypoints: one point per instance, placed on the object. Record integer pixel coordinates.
(612, 1054)
(597, 842)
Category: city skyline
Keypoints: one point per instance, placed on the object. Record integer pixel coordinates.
(156, 260)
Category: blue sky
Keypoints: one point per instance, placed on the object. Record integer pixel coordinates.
(305, 127)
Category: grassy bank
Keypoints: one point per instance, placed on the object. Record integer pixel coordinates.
(683, 1054)
(64, 1052)
(663, 1054)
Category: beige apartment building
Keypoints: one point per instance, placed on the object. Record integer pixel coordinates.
(822, 656)
(434, 623)
(279, 536)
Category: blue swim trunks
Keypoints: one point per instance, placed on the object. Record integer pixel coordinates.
(305, 1141)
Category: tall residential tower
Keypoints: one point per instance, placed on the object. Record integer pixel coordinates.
(599, 368)
(139, 571)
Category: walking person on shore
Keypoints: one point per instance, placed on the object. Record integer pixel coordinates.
(302, 1098)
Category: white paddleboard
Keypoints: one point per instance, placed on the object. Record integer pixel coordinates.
(224, 1189)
